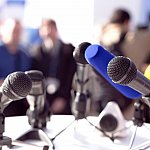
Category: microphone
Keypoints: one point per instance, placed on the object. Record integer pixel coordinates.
(123, 71)
(80, 101)
(112, 121)
(16, 86)
(98, 57)
(38, 112)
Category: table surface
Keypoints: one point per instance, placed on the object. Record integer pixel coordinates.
(79, 135)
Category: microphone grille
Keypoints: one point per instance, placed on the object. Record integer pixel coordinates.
(121, 70)
(79, 53)
(17, 85)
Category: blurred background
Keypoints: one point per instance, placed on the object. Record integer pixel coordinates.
(77, 20)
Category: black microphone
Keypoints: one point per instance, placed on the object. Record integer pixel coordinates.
(80, 101)
(38, 112)
(16, 86)
(123, 71)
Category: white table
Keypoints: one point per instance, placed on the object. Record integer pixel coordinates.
(80, 135)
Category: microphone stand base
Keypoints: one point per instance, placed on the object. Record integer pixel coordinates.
(36, 134)
(5, 141)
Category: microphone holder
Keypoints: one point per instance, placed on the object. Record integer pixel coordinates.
(142, 111)
(80, 105)
(36, 119)
(141, 115)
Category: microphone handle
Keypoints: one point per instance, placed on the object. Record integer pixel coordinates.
(141, 84)
(79, 105)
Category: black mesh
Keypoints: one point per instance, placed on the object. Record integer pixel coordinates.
(16, 85)
(108, 123)
(121, 70)
(80, 51)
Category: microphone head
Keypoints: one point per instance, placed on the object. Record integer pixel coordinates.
(37, 79)
(35, 75)
(16, 86)
(108, 123)
(121, 70)
(79, 53)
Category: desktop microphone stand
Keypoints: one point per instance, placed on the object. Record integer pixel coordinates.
(80, 105)
(7, 141)
(38, 123)
(36, 119)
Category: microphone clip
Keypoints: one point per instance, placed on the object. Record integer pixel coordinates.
(38, 120)
(141, 112)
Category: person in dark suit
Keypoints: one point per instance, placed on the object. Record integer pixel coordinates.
(55, 59)
(13, 57)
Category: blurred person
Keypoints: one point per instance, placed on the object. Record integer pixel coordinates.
(137, 48)
(114, 32)
(112, 37)
(13, 58)
(55, 59)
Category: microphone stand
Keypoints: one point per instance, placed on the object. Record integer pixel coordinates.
(7, 141)
(142, 111)
(4, 140)
(38, 123)
(80, 107)
(83, 99)
(38, 112)
(141, 114)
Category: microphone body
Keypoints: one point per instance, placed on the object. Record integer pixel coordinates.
(16, 86)
(98, 58)
(140, 84)
(130, 76)
(82, 77)
(80, 102)
(38, 112)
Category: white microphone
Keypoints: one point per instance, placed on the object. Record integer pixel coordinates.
(112, 121)
(16, 86)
